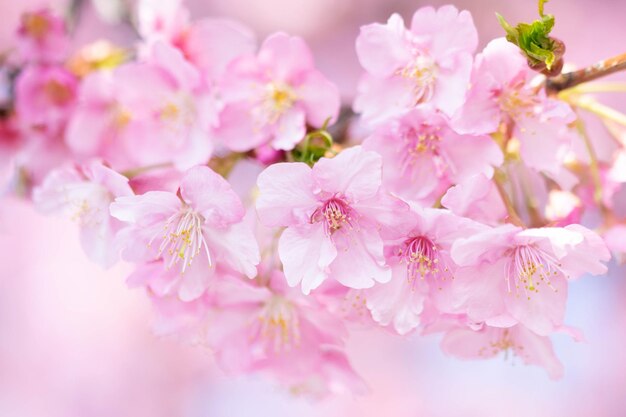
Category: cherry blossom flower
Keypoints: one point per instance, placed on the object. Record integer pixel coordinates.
(209, 43)
(264, 326)
(429, 155)
(334, 214)
(84, 193)
(45, 97)
(190, 233)
(429, 63)
(270, 98)
(145, 113)
(503, 92)
(42, 38)
(511, 275)
(421, 267)
(517, 341)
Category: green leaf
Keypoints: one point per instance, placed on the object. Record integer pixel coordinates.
(533, 39)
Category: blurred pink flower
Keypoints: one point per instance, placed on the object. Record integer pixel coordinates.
(488, 342)
(42, 37)
(270, 98)
(145, 113)
(84, 193)
(209, 44)
(45, 96)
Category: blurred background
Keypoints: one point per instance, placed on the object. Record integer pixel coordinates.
(75, 342)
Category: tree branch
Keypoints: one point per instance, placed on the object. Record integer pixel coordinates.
(593, 72)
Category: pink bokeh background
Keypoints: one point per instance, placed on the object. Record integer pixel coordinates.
(75, 342)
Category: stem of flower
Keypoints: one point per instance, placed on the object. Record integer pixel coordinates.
(132, 173)
(598, 87)
(513, 217)
(224, 165)
(591, 105)
(571, 79)
(593, 163)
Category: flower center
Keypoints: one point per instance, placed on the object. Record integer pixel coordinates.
(178, 114)
(517, 101)
(36, 25)
(529, 267)
(280, 327)
(85, 203)
(58, 93)
(422, 71)
(418, 143)
(335, 213)
(121, 116)
(277, 98)
(422, 259)
(182, 239)
(503, 342)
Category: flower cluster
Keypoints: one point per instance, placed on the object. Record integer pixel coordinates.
(451, 205)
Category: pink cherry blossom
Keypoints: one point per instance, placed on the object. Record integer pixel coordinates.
(266, 327)
(509, 275)
(42, 38)
(84, 193)
(421, 267)
(428, 155)
(429, 63)
(270, 98)
(334, 214)
(489, 342)
(209, 43)
(145, 113)
(45, 97)
(503, 91)
(191, 232)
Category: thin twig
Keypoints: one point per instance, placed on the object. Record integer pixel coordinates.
(589, 104)
(593, 72)
(513, 217)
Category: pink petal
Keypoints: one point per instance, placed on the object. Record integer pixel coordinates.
(320, 99)
(381, 48)
(540, 311)
(290, 130)
(144, 209)
(477, 290)
(354, 173)
(236, 128)
(452, 85)
(287, 56)
(212, 43)
(212, 196)
(306, 252)
(360, 262)
(450, 31)
(471, 155)
(235, 247)
(286, 194)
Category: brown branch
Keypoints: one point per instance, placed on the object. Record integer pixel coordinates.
(593, 72)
